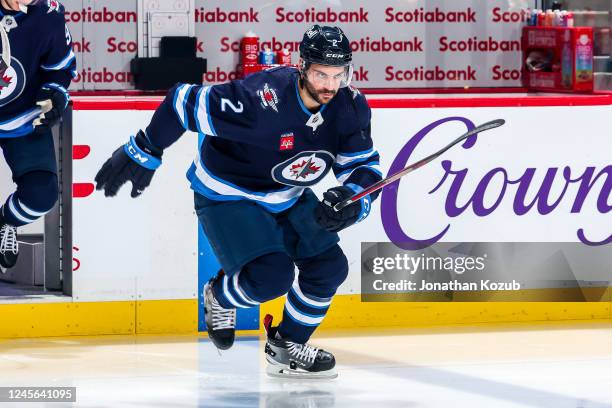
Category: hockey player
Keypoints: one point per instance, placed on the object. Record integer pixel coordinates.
(36, 68)
(267, 139)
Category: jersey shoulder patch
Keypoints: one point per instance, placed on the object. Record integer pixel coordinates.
(53, 6)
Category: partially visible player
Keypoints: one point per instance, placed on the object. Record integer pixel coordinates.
(36, 68)
(268, 138)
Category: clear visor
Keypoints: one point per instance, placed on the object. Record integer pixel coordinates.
(321, 79)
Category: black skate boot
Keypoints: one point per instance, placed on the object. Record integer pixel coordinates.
(9, 248)
(220, 322)
(287, 359)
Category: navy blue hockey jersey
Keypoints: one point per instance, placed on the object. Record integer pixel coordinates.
(41, 53)
(261, 142)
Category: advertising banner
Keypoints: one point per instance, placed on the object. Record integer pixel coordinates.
(396, 44)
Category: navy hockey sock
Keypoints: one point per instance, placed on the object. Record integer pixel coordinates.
(310, 297)
(35, 196)
(260, 280)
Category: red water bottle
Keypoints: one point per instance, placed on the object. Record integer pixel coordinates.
(570, 19)
(249, 48)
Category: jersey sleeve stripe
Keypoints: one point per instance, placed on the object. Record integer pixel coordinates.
(343, 160)
(66, 62)
(180, 103)
(20, 120)
(354, 154)
(202, 112)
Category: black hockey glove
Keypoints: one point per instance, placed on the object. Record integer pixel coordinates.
(335, 221)
(52, 100)
(135, 161)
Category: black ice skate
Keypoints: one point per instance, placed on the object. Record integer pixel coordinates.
(220, 322)
(287, 359)
(9, 248)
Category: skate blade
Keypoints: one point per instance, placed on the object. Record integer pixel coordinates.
(281, 371)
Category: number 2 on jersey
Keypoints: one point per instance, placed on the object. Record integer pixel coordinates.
(226, 102)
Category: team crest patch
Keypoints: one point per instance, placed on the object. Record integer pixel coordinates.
(286, 141)
(303, 169)
(53, 5)
(268, 97)
(12, 82)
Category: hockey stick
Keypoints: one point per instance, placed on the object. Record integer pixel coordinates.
(385, 182)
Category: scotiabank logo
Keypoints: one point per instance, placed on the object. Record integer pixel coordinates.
(227, 45)
(328, 15)
(360, 74)
(500, 73)
(219, 75)
(119, 46)
(500, 16)
(366, 44)
(82, 45)
(384, 45)
(100, 16)
(225, 16)
(432, 74)
(104, 76)
(476, 44)
(421, 15)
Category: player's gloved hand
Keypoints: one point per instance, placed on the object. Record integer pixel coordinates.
(135, 161)
(335, 221)
(52, 100)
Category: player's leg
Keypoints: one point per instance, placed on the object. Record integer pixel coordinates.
(248, 244)
(311, 294)
(306, 305)
(322, 268)
(32, 162)
(264, 278)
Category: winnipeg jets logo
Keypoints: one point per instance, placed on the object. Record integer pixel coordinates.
(12, 82)
(12, 74)
(53, 5)
(304, 169)
(5, 80)
(268, 97)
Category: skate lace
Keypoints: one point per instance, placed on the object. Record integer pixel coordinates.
(222, 318)
(303, 352)
(8, 239)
